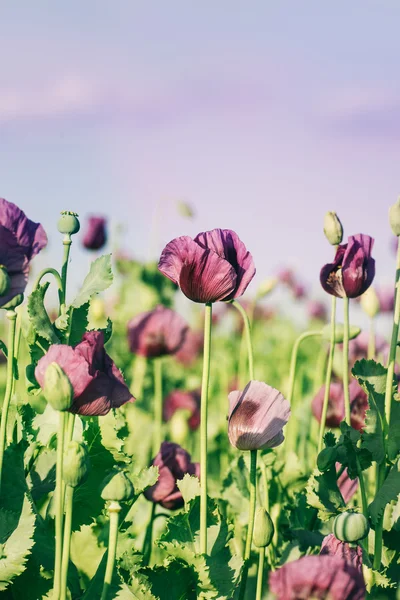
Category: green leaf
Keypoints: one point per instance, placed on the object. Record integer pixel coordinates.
(176, 580)
(348, 451)
(137, 589)
(13, 484)
(38, 315)
(323, 493)
(189, 487)
(42, 477)
(387, 493)
(394, 430)
(15, 551)
(78, 322)
(107, 331)
(86, 552)
(144, 478)
(98, 279)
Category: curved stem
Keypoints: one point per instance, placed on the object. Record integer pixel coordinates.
(247, 331)
(64, 269)
(113, 511)
(49, 271)
(244, 339)
(12, 317)
(252, 510)
(69, 498)
(59, 505)
(203, 426)
(260, 573)
(293, 360)
(328, 375)
(346, 393)
(158, 405)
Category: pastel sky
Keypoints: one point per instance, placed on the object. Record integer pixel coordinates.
(262, 115)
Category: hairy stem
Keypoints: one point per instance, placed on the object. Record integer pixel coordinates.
(203, 426)
(113, 511)
(12, 317)
(328, 375)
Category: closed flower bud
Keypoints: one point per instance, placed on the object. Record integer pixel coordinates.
(116, 486)
(326, 458)
(68, 223)
(57, 388)
(266, 287)
(370, 302)
(76, 464)
(263, 528)
(350, 527)
(333, 228)
(4, 280)
(339, 332)
(394, 217)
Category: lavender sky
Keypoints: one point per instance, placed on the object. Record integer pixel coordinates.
(261, 115)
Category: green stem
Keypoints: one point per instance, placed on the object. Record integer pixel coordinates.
(247, 317)
(379, 525)
(346, 393)
(247, 333)
(148, 538)
(113, 511)
(12, 317)
(260, 573)
(69, 498)
(59, 505)
(64, 269)
(252, 510)
(393, 342)
(362, 488)
(49, 271)
(328, 375)
(371, 340)
(203, 426)
(158, 405)
(138, 375)
(270, 548)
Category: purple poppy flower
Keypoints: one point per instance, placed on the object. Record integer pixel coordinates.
(180, 400)
(191, 348)
(336, 412)
(20, 240)
(386, 299)
(96, 233)
(97, 383)
(214, 266)
(299, 291)
(347, 486)
(334, 547)
(257, 416)
(158, 332)
(287, 277)
(353, 269)
(173, 463)
(317, 310)
(322, 576)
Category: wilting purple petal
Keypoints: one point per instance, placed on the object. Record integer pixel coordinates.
(334, 547)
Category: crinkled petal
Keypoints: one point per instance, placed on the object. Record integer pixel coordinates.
(358, 266)
(331, 275)
(73, 364)
(31, 236)
(174, 256)
(159, 332)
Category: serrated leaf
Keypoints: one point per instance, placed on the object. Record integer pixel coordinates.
(175, 579)
(394, 430)
(387, 493)
(137, 589)
(38, 315)
(77, 323)
(107, 331)
(15, 551)
(86, 552)
(375, 578)
(323, 494)
(348, 451)
(189, 487)
(144, 478)
(99, 278)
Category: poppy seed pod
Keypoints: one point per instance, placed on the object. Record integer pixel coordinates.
(350, 527)
(68, 223)
(76, 464)
(370, 302)
(333, 228)
(117, 487)
(57, 388)
(394, 217)
(5, 281)
(263, 528)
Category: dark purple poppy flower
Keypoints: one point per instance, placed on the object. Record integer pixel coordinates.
(214, 266)
(191, 348)
(20, 240)
(181, 400)
(173, 463)
(317, 310)
(334, 547)
(353, 269)
(97, 383)
(347, 486)
(321, 576)
(336, 413)
(96, 233)
(158, 332)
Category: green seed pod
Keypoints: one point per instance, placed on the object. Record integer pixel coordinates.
(370, 302)
(5, 281)
(116, 486)
(76, 464)
(263, 528)
(350, 527)
(326, 458)
(339, 332)
(333, 228)
(57, 388)
(68, 223)
(394, 217)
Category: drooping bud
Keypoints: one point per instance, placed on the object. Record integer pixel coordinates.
(333, 228)
(394, 217)
(266, 287)
(326, 458)
(116, 486)
(76, 464)
(263, 528)
(339, 332)
(68, 223)
(179, 426)
(14, 302)
(5, 281)
(370, 302)
(57, 388)
(350, 527)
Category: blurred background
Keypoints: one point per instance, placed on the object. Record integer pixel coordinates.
(260, 116)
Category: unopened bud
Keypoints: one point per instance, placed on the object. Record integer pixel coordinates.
(370, 302)
(5, 281)
(263, 528)
(76, 464)
(333, 228)
(57, 388)
(266, 287)
(350, 527)
(326, 458)
(339, 333)
(116, 486)
(394, 217)
(68, 223)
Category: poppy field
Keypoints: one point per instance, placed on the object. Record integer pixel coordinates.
(148, 453)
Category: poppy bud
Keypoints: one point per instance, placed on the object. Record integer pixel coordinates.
(68, 223)
(326, 458)
(57, 388)
(76, 464)
(333, 228)
(350, 527)
(4, 280)
(117, 487)
(266, 287)
(394, 217)
(339, 333)
(263, 529)
(370, 302)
